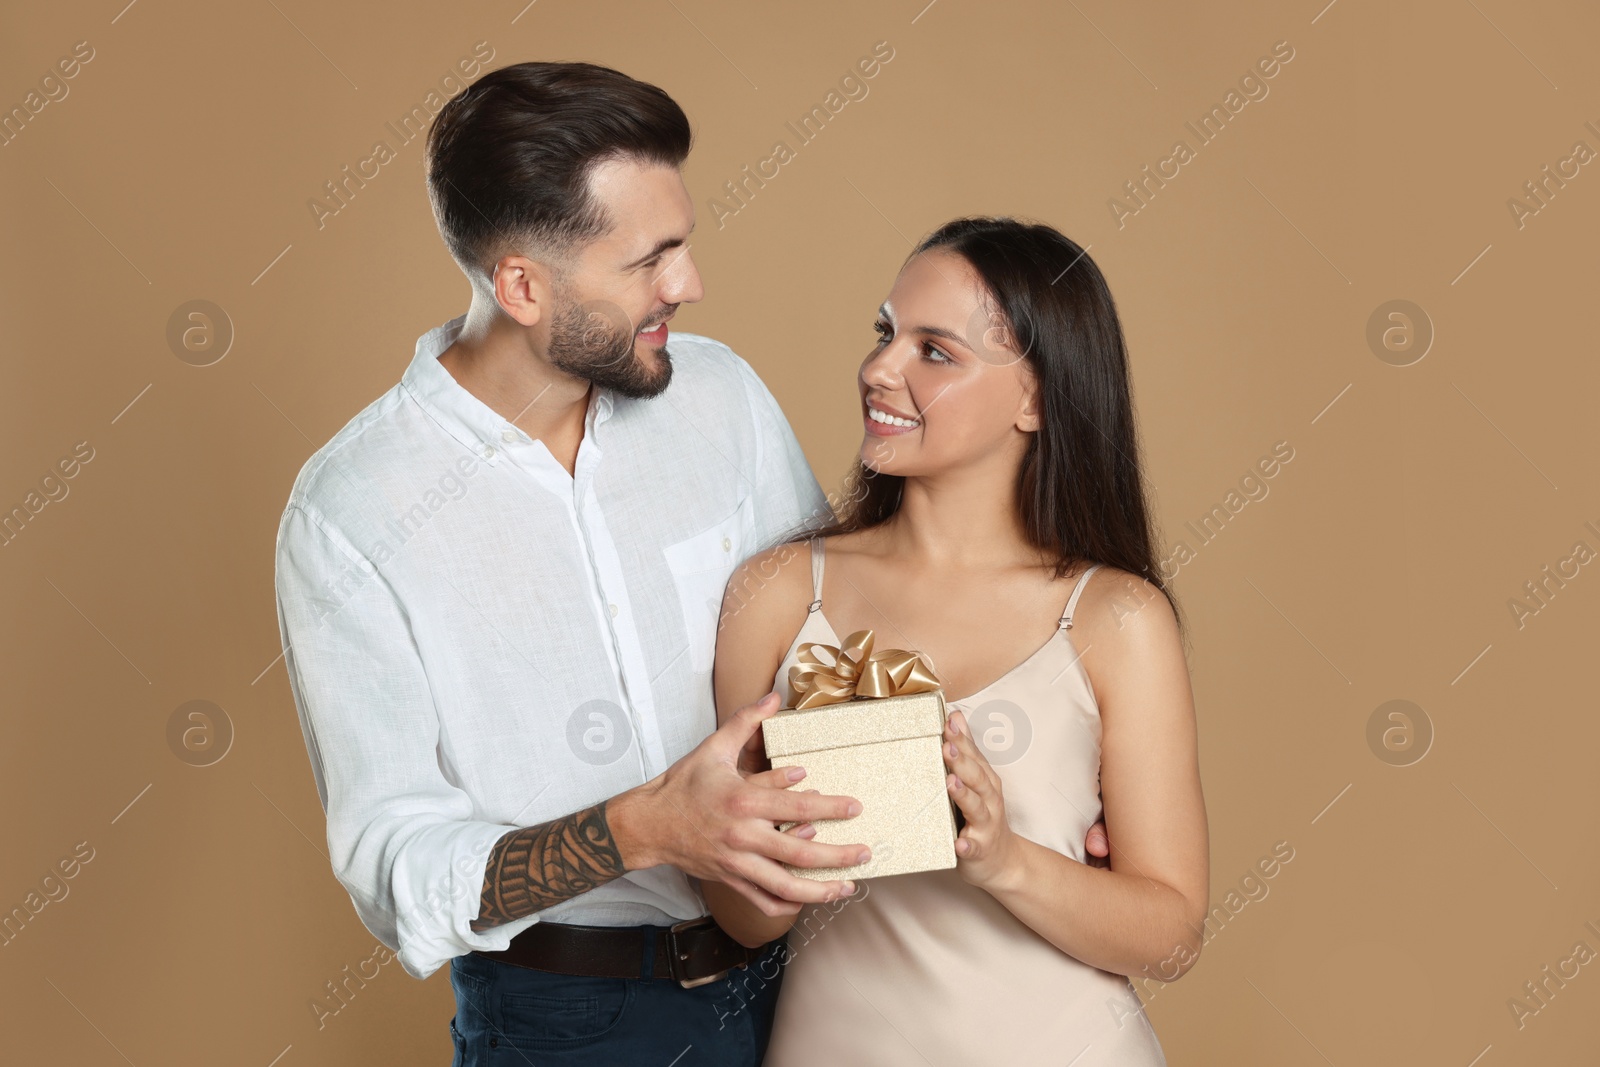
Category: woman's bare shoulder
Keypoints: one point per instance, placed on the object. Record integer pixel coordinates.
(771, 580)
(765, 601)
(1127, 633)
(865, 544)
(1123, 611)
(763, 609)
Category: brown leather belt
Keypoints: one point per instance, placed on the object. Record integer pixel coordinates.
(691, 953)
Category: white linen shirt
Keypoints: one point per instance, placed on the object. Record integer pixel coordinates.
(477, 641)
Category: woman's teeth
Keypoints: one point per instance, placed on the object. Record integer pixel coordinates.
(879, 416)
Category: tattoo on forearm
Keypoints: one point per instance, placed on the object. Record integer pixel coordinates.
(536, 867)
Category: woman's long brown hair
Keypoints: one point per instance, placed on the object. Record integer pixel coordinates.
(1080, 486)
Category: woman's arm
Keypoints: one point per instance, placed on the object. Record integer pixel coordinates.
(761, 610)
(1146, 912)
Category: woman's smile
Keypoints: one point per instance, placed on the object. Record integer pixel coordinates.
(882, 421)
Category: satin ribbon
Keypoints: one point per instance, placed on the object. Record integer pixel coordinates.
(825, 674)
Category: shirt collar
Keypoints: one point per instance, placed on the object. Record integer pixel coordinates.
(462, 415)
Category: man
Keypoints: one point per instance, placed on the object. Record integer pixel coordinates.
(498, 590)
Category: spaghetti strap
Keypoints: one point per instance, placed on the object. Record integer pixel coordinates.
(816, 574)
(1077, 591)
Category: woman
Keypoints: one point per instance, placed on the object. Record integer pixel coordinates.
(999, 505)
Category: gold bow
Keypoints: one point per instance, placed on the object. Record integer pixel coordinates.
(854, 671)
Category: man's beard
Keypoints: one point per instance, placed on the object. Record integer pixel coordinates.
(594, 340)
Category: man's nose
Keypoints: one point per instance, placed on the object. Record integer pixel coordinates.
(680, 282)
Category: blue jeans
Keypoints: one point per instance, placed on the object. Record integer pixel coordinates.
(510, 1015)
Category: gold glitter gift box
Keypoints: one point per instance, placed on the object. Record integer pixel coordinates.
(869, 726)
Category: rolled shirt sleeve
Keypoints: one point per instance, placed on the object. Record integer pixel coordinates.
(403, 840)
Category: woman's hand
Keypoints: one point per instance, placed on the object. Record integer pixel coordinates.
(986, 849)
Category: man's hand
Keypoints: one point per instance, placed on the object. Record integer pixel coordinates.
(1098, 845)
(753, 756)
(713, 819)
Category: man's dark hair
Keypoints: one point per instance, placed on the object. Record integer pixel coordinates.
(509, 159)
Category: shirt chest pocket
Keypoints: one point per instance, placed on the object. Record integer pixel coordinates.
(700, 566)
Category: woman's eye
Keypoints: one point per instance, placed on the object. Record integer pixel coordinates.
(936, 355)
(883, 332)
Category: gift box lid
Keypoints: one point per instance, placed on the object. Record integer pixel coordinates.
(794, 731)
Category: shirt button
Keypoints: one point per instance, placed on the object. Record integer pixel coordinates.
(727, 545)
(488, 451)
(508, 436)
(613, 611)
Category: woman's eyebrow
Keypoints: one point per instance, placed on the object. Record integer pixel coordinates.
(934, 331)
(940, 331)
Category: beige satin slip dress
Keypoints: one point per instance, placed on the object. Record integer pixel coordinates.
(920, 969)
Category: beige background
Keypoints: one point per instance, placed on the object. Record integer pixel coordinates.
(1379, 567)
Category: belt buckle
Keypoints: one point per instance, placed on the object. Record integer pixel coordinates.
(672, 944)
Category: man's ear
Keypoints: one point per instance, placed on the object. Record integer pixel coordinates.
(523, 288)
